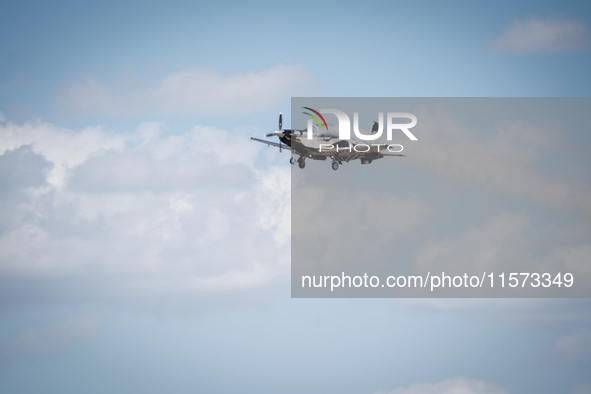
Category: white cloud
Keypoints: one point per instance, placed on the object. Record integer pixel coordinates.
(188, 91)
(2, 117)
(64, 148)
(508, 242)
(21, 168)
(509, 160)
(459, 385)
(542, 35)
(139, 215)
(495, 245)
(55, 339)
(322, 218)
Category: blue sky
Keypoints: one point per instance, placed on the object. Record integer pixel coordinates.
(144, 240)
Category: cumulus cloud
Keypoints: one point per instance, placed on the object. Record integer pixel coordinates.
(536, 34)
(508, 160)
(459, 385)
(323, 235)
(21, 168)
(138, 215)
(188, 91)
(63, 148)
(508, 242)
(494, 245)
(54, 339)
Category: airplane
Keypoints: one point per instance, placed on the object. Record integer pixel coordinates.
(342, 150)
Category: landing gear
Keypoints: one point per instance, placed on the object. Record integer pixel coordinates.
(302, 162)
(335, 165)
(292, 161)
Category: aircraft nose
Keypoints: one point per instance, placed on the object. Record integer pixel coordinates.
(278, 133)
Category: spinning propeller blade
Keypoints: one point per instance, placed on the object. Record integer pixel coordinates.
(279, 133)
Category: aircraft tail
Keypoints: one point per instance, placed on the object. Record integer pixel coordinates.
(375, 127)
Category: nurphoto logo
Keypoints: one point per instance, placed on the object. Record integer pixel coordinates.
(376, 132)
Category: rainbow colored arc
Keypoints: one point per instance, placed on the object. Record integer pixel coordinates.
(315, 118)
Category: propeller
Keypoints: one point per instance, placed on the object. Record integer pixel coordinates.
(279, 133)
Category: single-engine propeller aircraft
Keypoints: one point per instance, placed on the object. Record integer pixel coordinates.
(322, 147)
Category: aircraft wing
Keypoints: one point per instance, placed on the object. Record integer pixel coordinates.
(282, 146)
(391, 154)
